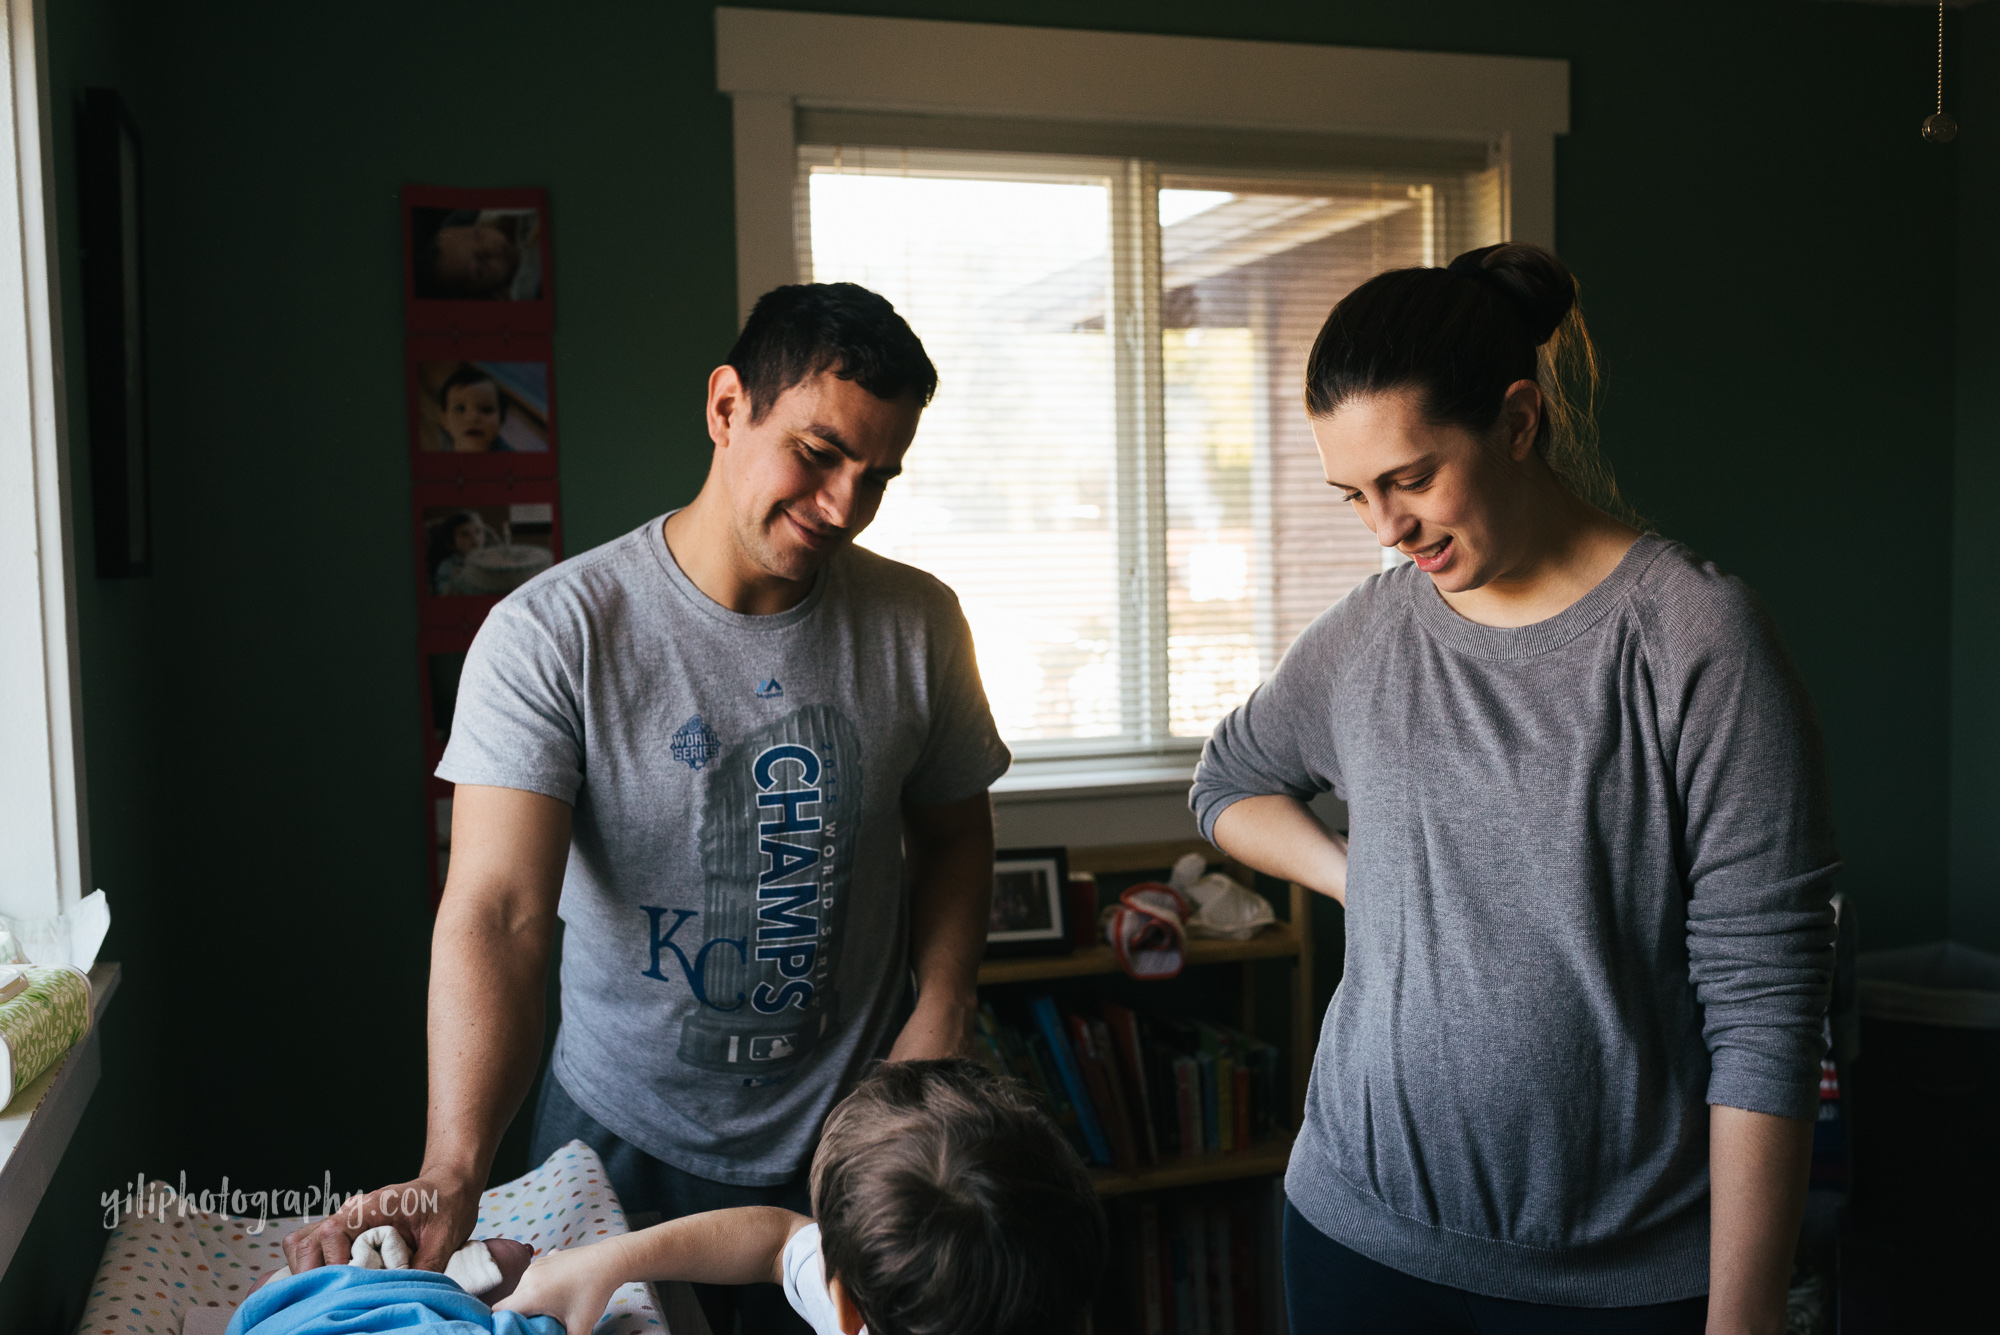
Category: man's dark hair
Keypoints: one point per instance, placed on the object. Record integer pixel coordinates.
(796, 332)
(949, 1204)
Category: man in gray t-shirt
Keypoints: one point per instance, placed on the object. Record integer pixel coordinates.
(716, 738)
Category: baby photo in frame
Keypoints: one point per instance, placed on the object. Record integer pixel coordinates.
(481, 408)
(477, 259)
(478, 542)
(1028, 915)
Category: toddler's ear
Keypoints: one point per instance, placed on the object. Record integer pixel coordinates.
(844, 1306)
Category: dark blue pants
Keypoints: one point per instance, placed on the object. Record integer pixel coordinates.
(645, 1185)
(1330, 1290)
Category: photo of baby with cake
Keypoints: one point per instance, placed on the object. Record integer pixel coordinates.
(483, 407)
(487, 550)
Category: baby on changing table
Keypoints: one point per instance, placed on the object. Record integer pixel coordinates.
(945, 1201)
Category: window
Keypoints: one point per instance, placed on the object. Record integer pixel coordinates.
(1117, 475)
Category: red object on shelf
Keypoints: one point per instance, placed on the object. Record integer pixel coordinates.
(1082, 903)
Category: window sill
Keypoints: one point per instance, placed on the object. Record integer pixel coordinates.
(36, 1127)
(1051, 780)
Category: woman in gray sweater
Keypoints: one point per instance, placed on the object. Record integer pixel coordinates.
(1569, 1076)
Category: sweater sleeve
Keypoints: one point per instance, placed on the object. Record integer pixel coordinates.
(1757, 850)
(1280, 740)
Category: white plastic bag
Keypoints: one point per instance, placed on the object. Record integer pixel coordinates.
(1222, 909)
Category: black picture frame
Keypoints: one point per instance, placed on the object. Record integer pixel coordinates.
(1030, 913)
(114, 334)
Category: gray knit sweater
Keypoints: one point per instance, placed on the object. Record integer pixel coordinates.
(1587, 895)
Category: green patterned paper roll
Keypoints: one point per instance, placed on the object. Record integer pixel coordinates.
(40, 1024)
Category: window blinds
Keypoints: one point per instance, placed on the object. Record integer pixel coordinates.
(1117, 475)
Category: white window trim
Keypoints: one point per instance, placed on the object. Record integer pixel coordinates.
(771, 63)
(44, 847)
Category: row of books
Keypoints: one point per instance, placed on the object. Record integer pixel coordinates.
(1201, 1267)
(1132, 1089)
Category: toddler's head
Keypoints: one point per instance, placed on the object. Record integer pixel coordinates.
(471, 409)
(949, 1204)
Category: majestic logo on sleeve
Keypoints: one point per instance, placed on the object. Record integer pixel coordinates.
(778, 841)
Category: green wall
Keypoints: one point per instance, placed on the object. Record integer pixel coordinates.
(1767, 250)
(1975, 613)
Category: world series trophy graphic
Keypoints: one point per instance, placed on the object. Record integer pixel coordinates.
(777, 852)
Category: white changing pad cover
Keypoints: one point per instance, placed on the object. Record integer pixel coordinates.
(152, 1272)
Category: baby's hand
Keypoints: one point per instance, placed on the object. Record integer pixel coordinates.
(573, 1286)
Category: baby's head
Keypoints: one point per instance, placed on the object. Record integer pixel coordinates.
(949, 1204)
(471, 410)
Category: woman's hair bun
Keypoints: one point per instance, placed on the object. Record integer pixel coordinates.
(1539, 284)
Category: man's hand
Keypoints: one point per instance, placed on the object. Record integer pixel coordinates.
(434, 1213)
(574, 1286)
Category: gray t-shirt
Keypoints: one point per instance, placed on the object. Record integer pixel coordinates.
(1587, 895)
(736, 931)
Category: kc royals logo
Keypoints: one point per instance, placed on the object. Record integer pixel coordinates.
(693, 744)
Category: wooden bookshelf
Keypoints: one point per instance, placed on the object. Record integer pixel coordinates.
(1195, 1170)
(1274, 942)
(1290, 940)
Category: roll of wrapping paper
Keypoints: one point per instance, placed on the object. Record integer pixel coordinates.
(41, 1023)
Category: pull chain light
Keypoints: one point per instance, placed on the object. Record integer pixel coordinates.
(1938, 127)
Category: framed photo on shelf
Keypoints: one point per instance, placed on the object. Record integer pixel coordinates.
(477, 542)
(1028, 916)
(481, 408)
(476, 260)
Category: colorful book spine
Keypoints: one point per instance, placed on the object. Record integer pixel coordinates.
(1187, 1105)
(1242, 1106)
(1123, 1027)
(1149, 1306)
(1098, 1078)
(1051, 1025)
(1211, 1106)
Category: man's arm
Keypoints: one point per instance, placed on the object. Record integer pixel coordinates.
(489, 966)
(1280, 837)
(950, 848)
(1757, 1168)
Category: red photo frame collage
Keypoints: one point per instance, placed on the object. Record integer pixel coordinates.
(479, 388)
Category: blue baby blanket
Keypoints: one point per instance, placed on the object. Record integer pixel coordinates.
(346, 1300)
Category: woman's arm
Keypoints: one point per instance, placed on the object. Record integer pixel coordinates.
(1280, 837)
(740, 1246)
(1757, 1195)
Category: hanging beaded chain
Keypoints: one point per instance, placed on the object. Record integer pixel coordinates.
(1938, 127)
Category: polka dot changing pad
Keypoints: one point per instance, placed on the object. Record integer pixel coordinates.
(154, 1270)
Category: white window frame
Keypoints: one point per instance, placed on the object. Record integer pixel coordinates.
(44, 844)
(774, 63)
